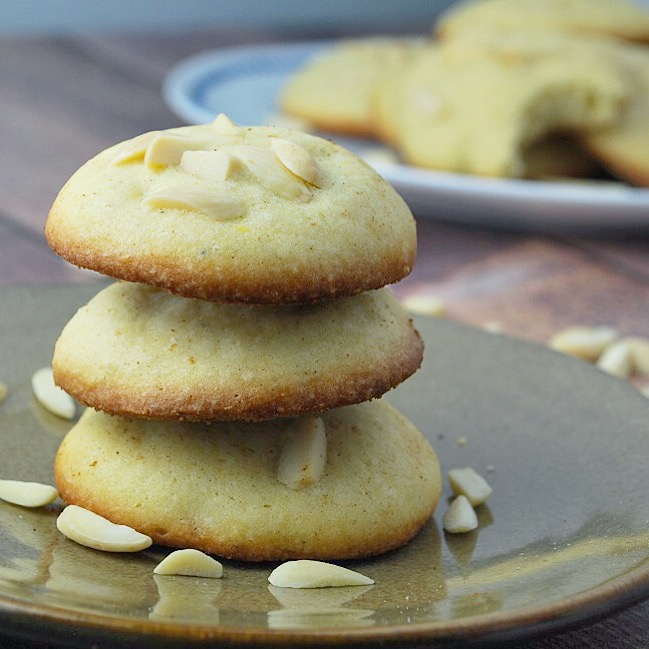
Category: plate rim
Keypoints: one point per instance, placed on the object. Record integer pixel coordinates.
(533, 196)
(583, 608)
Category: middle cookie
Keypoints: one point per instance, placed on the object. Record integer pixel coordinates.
(138, 351)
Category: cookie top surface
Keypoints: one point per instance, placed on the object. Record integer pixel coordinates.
(475, 105)
(376, 484)
(619, 18)
(335, 89)
(138, 351)
(233, 214)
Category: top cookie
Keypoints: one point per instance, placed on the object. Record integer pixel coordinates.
(233, 214)
(619, 18)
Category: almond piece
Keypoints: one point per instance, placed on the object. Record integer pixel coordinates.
(223, 125)
(305, 573)
(4, 390)
(166, 149)
(297, 160)
(586, 343)
(215, 166)
(304, 454)
(467, 482)
(271, 174)
(616, 360)
(492, 327)
(217, 205)
(94, 531)
(50, 396)
(27, 494)
(639, 348)
(460, 517)
(134, 149)
(428, 305)
(189, 563)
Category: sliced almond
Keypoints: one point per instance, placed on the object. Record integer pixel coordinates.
(4, 390)
(428, 305)
(587, 343)
(94, 531)
(492, 327)
(189, 563)
(223, 125)
(214, 204)
(271, 174)
(467, 482)
(166, 149)
(306, 573)
(304, 454)
(460, 517)
(215, 166)
(134, 149)
(297, 160)
(27, 494)
(639, 348)
(616, 360)
(50, 396)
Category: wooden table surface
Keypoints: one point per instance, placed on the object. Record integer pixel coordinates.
(64, 99)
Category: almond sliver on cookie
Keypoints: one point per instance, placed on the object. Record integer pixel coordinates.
(223, 125)
(272, 174)
(135, 148)
(216, 205)
(166, 149)
(304, 455)
(297, 160)
(216, 166)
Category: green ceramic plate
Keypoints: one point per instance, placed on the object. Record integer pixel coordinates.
(564, 537)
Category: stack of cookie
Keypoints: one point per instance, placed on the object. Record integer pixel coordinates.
(233, 374)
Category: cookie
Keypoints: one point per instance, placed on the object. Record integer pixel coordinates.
(623, 148)
(232, 214)
(468, 107)
(220, 488)
(334, 90)
(618, 18)
(138, 351)
(384, 112)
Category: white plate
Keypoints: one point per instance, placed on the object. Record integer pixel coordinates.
(244, 83)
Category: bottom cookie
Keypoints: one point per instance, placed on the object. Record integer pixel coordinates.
(231, 489)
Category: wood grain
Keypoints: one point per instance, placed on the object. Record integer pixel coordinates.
(533, 285)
